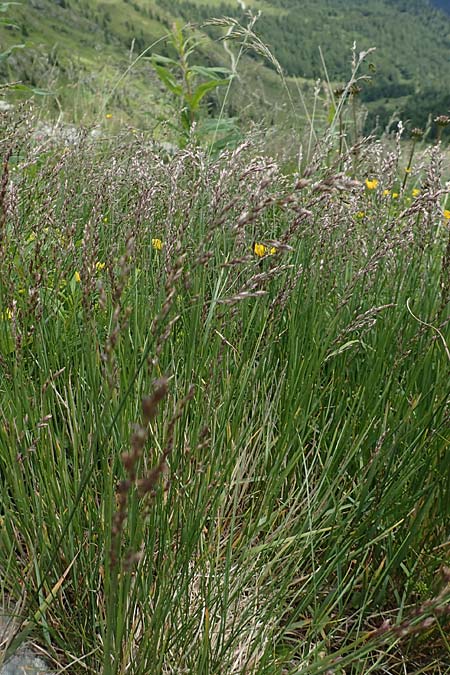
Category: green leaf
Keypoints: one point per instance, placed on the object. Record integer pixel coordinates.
(211, 72)
(220, 126)
(33, 90)
(5, 55)
(342, 348)
(168, 79)
(202, 90)
(161, 60)
(41, 92)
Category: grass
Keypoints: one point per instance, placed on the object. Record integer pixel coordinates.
(211, 461)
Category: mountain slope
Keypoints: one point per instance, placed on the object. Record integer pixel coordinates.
(80, 49)
(412, 38)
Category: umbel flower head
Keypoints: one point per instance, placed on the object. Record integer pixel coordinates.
(442, 120)
(371, 183)
(339, 91)
(157, 244)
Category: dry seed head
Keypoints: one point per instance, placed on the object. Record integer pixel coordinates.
(150, 403)
(138, 439)
(442, 120)
(132, 559)
(147, 484)
(302, 183)
(128, 461)
(416, 133)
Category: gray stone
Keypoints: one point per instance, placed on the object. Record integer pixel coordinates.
(24, 661)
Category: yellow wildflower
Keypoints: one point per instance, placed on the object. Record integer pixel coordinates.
(7, 314)
(108, 116)
(415, 192)
(272, 251)
(77, 277)
(360, 215)
(447, 214)
(157, 244)
(386, 193)
(395, 195)
(371, 184)
(260, 250)
(408, 169)
(99, 266)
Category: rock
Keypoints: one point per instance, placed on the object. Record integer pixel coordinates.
(24, 661)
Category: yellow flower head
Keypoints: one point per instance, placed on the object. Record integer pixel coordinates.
(395, 195)
(108, 116)
(386, 193)
(7, 314)
(371, 184)
(415, 192)
(447, 214)
(260, 250)
(408, 169)
(157, 244)
(77, 277)
(272, 251)
(99, 266)
(360, 215)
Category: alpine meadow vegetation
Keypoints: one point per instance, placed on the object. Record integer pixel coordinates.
(224, 393)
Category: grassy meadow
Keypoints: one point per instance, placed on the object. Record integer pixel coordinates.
(224, 406)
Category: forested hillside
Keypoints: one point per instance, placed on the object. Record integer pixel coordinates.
(410, 69)
(80, 47)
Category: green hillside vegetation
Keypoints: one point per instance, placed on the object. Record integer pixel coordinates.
(79, 48)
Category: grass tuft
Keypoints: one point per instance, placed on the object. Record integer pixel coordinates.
(224, 452)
